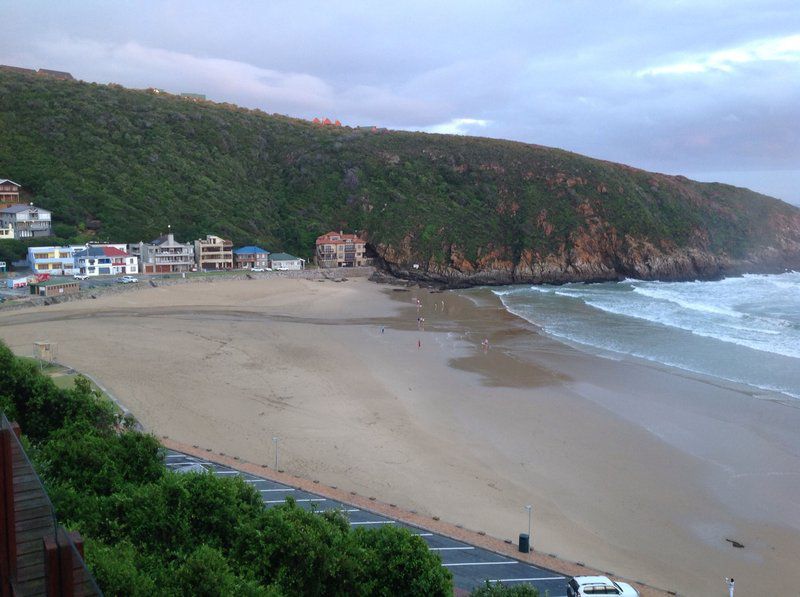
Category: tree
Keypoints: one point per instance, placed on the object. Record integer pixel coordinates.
(399, 563)
(150, 531)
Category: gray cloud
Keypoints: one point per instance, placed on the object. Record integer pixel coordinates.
(675, 86)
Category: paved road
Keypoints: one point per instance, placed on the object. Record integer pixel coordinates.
(471, 566)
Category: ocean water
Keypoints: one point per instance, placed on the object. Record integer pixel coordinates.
(745, 330)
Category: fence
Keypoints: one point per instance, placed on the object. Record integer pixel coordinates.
(37, 556)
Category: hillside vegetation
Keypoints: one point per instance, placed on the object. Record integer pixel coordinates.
(121, 164)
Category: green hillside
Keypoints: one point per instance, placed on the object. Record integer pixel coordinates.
(121, 165)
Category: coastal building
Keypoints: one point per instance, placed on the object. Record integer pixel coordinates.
(249, 257)
(213, 252)
(56, 261)
(9, 192)
(336, 249)
(28, 221)
(54, 287)
(284, 261)
(99, 260)
(6, 232)
(165, 255)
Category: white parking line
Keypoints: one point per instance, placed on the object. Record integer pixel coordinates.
(374, 522)
(272, 490)
(481, 563)
(423, 534)
(528, 579)
(302, 500)
(228, 472)
(448, 548)
(336, 510)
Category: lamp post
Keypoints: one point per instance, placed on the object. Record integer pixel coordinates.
(529, 508)
(275, 441)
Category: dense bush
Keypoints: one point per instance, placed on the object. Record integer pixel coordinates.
(116, 164)
(501, 590)
(150, 531)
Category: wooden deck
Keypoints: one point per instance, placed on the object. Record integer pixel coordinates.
(37, 557)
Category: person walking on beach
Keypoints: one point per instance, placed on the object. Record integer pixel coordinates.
(382, 328)
(485, 344)
(419, 343)
(730, 586)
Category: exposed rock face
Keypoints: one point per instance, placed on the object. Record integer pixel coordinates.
(597, 254)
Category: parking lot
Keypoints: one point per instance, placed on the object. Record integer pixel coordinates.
(470, 565)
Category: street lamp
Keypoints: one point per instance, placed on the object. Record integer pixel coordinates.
(529, 508)
(275, 441)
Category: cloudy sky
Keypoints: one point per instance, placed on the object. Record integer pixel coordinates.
(708, 89)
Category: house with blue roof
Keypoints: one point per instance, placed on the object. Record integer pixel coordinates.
(250, 257)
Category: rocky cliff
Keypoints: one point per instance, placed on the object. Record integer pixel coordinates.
(121, 165)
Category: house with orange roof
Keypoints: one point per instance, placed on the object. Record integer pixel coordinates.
(337, 249)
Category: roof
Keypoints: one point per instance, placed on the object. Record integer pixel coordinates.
(53, 282)
(283, 257)
(249, 249)
(94, 251)
(168, 239)
(339, 238)
(15, 209)
(5, 180)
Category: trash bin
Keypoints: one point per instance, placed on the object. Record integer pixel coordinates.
(524, 543)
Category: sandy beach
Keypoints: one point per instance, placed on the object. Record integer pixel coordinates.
(629, 467)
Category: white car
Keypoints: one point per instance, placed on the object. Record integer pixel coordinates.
(127, 280)
(257, 269)
(80, 276)
(582, 586)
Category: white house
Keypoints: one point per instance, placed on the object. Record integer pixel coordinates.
(57, 261)
(99, 260)
(284, 261)
(28, 221)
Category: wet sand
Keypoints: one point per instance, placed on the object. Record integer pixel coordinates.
(629, 467)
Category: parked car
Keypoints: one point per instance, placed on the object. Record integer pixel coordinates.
(127, 280)
(582, 586)
(257, 269)
(80, 276)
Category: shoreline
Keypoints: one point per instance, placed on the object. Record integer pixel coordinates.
(422, 428)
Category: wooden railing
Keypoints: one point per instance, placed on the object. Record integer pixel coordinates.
(37, 556)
